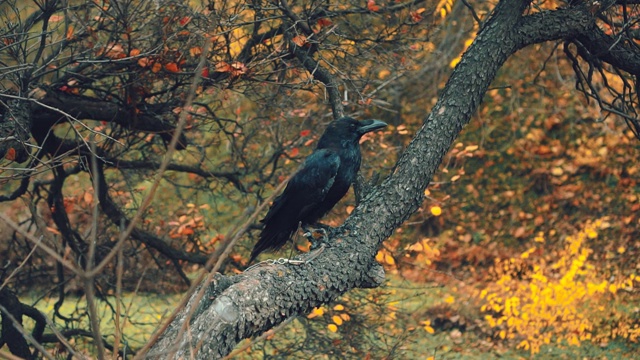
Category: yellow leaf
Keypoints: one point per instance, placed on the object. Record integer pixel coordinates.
(337, 319)
(557, 171)
(429, 329)
(455, 62)
(379, 256)
(332, 327)
(502, 334)
(315, 313)
(338, 307)
(436, 210)
(389, 259)
(450, 299)
(621, 250)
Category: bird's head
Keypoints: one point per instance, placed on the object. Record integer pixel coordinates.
(348, 129)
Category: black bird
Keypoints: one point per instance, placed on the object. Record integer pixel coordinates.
(325, 177)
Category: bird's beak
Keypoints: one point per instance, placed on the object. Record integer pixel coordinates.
(370, 125)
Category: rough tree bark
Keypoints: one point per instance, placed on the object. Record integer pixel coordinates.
(238, 307)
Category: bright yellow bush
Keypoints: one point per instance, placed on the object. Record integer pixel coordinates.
(536, 303)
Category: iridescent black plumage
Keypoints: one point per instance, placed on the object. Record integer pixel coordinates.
(325, 177)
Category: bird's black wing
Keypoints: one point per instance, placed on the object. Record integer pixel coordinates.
(303, 193)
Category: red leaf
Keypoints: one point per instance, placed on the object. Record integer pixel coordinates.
(324, 22)
(185, 20)
(305, 132)
(171, 67)
(371, 5)
(11, 154)
(294, 152)
(205, 72)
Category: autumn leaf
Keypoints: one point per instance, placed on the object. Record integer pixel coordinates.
(300, 40)
(236, 68)
(195, 51)
(144, 62)
(69, 35)
(415, 16)
(185, 20)
(436, 210)
(156, 67)
(294, 152)
(11, 154)
(305, 132)
(324, 22)
(171, 67)
(389, 259)
(371, 5)
(134, 52)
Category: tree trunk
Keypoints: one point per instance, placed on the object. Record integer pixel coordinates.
(242, 306)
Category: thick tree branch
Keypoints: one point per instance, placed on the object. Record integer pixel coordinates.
(113, 212)
(266, 295)
(84, 107)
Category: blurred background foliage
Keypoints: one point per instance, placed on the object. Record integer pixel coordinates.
(527, 241)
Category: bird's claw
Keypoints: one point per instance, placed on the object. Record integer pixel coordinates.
(317, 236)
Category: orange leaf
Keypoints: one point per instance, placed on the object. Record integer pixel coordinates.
(195, 51)
(371, 5)
(238, 68)
(389, 259)
(11, 154)
(223, 67)
(70, 32)
(171, 67)
(156, 67)
(185, 20)
(134, 52)
(144, 62)
(300, 40)
(294, 152)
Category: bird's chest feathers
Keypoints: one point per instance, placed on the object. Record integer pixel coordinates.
(349, 166)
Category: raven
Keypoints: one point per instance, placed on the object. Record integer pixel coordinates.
(324, 178)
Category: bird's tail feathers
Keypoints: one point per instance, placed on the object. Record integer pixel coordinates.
(272, 238)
